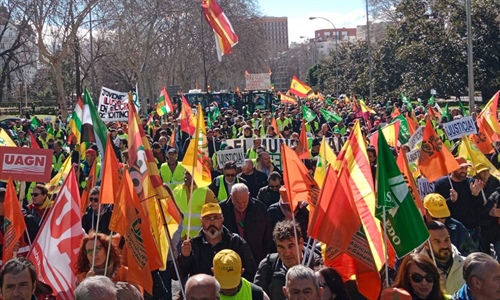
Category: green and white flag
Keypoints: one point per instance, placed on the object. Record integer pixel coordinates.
(404, 129)
(308, 114)
(94, 129)
(403, 224)
(407, 101)
(329, 116)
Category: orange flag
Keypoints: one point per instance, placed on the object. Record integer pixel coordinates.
(482, 141)
(435, 159)
(396, 112)
(187, 118)
(302, 148)
(13, 222)
(90, 183)
(300, 185)
(402, 163)
(275, 125)
(110, 181)
(411, 124)
(487, 119)
(172, 138)
(129, 220)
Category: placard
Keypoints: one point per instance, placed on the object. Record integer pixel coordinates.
(416, 138)
(458, 128)
(113, 105)
(258, 81)
(236, 155)
(425, 187)
(26, 164)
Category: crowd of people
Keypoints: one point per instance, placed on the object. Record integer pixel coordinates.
(243, 241)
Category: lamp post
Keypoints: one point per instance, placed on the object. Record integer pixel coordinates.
(470, 67)
(336, 63)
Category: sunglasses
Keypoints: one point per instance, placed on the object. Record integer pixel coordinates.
(430, 278)
(91, 251)
(35, 194)
(274, 186)
(94, 199)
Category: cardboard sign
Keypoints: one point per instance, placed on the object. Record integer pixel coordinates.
(26, 164)
(113, 105)
(236, 155)
(458, 128)
(416, 138)
(425, 187)
(259, 81)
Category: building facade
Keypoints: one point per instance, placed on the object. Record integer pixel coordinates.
(327, 40)
(276, 32)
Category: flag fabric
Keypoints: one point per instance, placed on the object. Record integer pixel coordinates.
(407, 101)
(164, 105)
(156, 201)
(463, 110)
(482, 141)
(129, 220)
(300, 185)
(326, 157)
(197, 153)
(225, 37)
(354, 159)
(435, 159)
(33, 142)
(76, 122)
(487, 120)
(171, 143)
(187, 118)
(57, 181)
(13, 221)
(412, 125)
(402, 221)
(474, 156)
(5, 139)
(287, 99)
(90, 182)
(365, 108)
(405, 169)
(55, 249)
(299, 88)
(329, 116)
(110, 181)
(431, 101)
(308, 114)
(93, 129)
(391, 134)
(274, 124)
(34, 124)
(404, 129)
(302, 148)
(446, 113)
(396, 112)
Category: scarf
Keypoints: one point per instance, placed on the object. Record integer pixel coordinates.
(463, 293)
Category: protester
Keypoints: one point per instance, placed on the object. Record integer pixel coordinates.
(270, 194)
(301, 283)
(18, 280)
(172, 172)
(221, 185)
(264, 163)
(40, 204)
(418, 275)
(97, 216)
(247, 217)
(201, 287)
(96, 288)
(332, 284)
(255, 179)
(482, 278)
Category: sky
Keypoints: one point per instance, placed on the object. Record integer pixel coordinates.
(342, 13)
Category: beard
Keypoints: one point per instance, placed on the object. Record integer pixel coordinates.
(212, 232)
(443, 254)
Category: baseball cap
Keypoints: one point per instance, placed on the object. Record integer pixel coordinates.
(436, 205)
(480, 167)
(462, 162)
(227, 269)
(210, 209)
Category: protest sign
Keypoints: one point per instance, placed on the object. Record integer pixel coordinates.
(26, 164)
(416, 138)
(425, 187)
(235, 155)
(113, 105)
(258, 81)
(458, 128)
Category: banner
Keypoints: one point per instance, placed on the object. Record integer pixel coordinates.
(424, 187)
(113, 105)
(258, 81)
(458, 128)
(416, 138)
(235, 155)
(26, 164)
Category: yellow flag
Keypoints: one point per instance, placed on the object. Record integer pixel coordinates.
(474, 156)
(5, 139)
(325, 157)
(57, 181)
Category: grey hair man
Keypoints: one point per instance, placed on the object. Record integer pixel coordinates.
(96, 288)
(482, 278)
(202, 286)
(301, 283)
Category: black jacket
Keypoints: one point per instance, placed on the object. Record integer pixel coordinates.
(255, 181)
(268, 196)
(257, 226)
(201, 258)
(89, 220)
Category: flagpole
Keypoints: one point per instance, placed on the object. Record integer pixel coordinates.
(432, 252)
(169, 240)
(312, 252)
(386, 249)
(107, 254)
(203, 52)
(304, 258)
(95, 238)
(295, 234)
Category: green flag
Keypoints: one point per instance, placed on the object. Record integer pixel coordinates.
(446, 113)
(404, 129)
(308, 114)
(462, 109)
(431, 101)
(407, 101)
(93, 129)
(404, 225)
(329, 101)
(34, 124)
(329, 116)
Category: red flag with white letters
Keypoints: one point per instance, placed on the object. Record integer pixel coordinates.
(55, 249)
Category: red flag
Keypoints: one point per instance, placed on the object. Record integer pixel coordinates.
(187, 118)
(482, 141)
(225, 36)
(129, 220)
(391, 134)
(110, 181)
(302, 148)
(435, 159)
(299, 88)
(34, 143)
(411, 124)
(300, 185)
(55, 250)
(13, 222)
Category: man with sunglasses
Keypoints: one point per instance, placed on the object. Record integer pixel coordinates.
(448, 260)
(40, 205)
(222, 184)
(270, 193)
(196, 255)
(89, 219)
